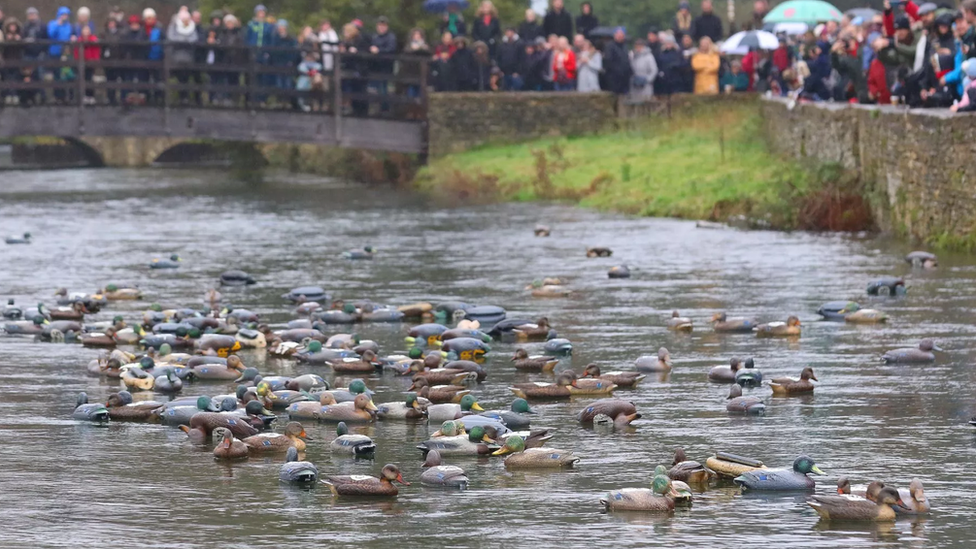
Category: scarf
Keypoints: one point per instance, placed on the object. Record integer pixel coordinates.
(452, 19)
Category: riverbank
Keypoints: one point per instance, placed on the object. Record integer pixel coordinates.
(709, 161)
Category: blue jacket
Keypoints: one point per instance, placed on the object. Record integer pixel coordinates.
(259, 34)
(955, 76)
(58, 31)
(156, 50)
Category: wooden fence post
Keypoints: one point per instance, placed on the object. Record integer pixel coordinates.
(337, 95)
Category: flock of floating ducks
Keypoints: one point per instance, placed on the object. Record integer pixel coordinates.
(175, 347)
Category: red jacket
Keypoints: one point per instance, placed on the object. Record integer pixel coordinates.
(93, 52)
(749, 67)
(569, 65)
(911, 8)
(878, 83)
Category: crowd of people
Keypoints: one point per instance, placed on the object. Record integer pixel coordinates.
(915, 54)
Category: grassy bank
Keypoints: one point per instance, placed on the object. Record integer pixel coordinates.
(707, 163)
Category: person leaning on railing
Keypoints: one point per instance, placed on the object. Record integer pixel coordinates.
(354, 68)
(110, 51)
(234, 55)
(182, 35)
(89, 49)
(59, 31)
(285, 55)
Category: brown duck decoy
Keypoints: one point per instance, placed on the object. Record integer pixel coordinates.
(790, 386)
(609, 410)
(438, 394)
(362, 485)
(620, 379)
(537, 363)
(688, 471)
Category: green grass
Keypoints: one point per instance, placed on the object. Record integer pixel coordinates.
(705, 164)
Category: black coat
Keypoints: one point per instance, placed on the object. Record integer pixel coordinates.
(669, 65)
(616, 65)
(586, 23)
(533, 68)
(490, 34)
(509, 56)
(706, 24)
(528, 32)
(464, 68)
(560, 24)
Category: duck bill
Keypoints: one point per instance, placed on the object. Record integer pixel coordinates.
(488, 439)
(817, 471)
(901, 504)
(813, 377)
(401, 481)
(937, 348)
(415, 405)
(372, 407)
(476, 407)
(304, 436)
(413, 387)
(673, 493)
(501, 451)
(225, 443)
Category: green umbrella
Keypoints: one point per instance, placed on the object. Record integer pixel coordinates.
(810, 12)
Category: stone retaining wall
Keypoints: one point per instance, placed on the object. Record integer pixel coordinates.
(918, 166)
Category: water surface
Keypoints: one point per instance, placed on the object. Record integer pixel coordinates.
(67, 483)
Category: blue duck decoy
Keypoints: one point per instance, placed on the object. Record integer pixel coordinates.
(306, 293)
(25, 327)
(86, 411)
(744, 404)
(24, 239)
(913, 355)
(357, 445)
(236, 277)
(297, 472)
(619, 271)
(794, 478)
(366, 253)
(180, 414)
(485, 314)
(172, 263)
(512, 418)
(557, 346)
(436, 474)
(835, 310)
(466, 348)
(426, 334)
(925, 260)
(168, 383)
(749, 375)
(887, 285)
(12, 311)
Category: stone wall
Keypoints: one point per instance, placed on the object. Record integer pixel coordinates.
(460, 121)
(917, 166)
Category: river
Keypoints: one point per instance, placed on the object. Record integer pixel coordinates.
(67, 483)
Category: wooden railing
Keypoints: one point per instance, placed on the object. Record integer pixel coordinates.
(210, 76)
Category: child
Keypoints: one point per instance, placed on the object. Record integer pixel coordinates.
(310, 80)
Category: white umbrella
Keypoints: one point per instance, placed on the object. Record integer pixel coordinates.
(750, 39)
(791, 28)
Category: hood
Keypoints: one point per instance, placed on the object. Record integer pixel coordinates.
(182, 28)
(63, 11)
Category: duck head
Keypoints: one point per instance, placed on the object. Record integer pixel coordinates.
(679, 456)
(370, 357)
(735, 364)
(916, 490)
(357, 386)
(291, 455)
(521, 406)
(120, 398)
(256, 408)
(660, 470)
(591, 370)
(234, 363)
(412, 401)
(718, 317)
(82, 399)
(342, 429)
(513, 444)
(520, 354)
(735, 391)
(224, 436)
(477, 434)
(843, 486)
(391, 473)
(468, 404)
(661, 485)
(889, 496)
(314, 346)
(419, 384)
(807, 374)
(566, 378)
(663, 355)
(873, 490)
(363, 402)
(928, 346)
(295, 430)
(792, 321)
(204, 403)
(228, 404)
(249, 374)
(433, 459)
(327, 399)
(451, 428)
(805, 465)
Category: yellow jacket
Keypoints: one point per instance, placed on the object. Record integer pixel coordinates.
(706, 67)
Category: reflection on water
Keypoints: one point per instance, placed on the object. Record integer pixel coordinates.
(866, 420)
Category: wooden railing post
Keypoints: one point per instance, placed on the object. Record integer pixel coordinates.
(424, 98)
(167, 52)
(81, 71)
(337, 95)
(251, 77)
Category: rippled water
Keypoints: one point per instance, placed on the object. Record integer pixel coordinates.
(70, 483)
